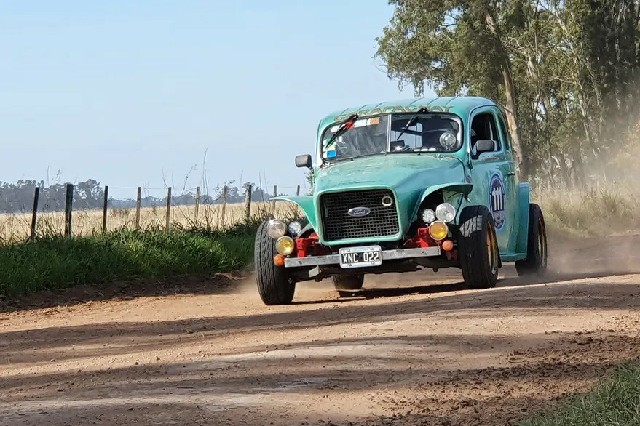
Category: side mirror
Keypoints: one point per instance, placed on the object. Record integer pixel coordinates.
(303, 160)
(484, 145)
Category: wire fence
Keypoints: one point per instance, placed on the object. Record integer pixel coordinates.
(78, 210)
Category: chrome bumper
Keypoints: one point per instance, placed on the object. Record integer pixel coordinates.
(334, 259)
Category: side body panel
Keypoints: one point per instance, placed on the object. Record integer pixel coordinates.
(493, 176)
(524, 198)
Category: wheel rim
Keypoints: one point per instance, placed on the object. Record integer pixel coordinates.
(491, 250)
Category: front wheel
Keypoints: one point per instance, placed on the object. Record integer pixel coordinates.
(478, 248)
(536, 260)
(275, 286)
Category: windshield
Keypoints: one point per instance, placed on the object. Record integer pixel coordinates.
(393, 133)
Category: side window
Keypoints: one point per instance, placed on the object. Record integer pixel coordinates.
(484, 127)
(506, 137)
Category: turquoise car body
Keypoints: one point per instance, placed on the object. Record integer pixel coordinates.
(488, 180)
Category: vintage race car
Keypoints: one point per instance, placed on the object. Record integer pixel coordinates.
(403, 186)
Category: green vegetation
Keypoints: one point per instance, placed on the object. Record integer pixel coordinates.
(615, 402)
(55, 262)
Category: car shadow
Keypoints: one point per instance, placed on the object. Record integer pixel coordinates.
(386, 292)
(510, 279)
(374, 293)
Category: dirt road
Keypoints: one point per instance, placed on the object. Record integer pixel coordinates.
(416, 349)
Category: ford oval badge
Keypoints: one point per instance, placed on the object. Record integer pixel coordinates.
(359, 211)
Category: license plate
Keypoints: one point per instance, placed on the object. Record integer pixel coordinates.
(360, 257)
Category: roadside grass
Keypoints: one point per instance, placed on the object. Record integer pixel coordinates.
(614, 402)
(593, 212)
(54, 262)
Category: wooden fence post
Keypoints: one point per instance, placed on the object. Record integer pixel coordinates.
(225, 193)
(138, 207)
(34, 216)
(104, 208)
(195, 213)
(247, 204)
(298, 191)
(168, 223)
(273, 203)
(67, 210)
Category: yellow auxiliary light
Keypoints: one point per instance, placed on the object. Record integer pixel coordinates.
(438, 230)
(285, 245)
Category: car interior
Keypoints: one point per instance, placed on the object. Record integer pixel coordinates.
(484, 127)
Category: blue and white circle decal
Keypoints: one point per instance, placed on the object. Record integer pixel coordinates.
(496, 200)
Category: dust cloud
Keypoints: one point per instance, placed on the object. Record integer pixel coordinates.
(587, 257)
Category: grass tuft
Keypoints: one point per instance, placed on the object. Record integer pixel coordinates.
(615, 402)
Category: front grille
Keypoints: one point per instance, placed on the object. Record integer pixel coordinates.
(382, 221)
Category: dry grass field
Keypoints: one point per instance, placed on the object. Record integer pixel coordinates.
(16, 227)
(586, 211)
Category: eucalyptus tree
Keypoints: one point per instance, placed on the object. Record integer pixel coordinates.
(566, 71)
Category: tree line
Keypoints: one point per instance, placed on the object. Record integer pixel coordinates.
(564, 71)
(18, 197)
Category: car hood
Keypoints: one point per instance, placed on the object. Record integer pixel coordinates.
(399, 172)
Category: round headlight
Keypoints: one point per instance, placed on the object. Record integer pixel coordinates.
(295, 228)
(448, 140)
(285, 245)
(428, 215)
(446, 212)
(438, 230)
(276, 228)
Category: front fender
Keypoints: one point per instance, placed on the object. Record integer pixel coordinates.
(454, 187)
(524, 198)
(307, 205)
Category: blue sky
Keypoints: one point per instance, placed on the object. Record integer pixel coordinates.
(133, 92)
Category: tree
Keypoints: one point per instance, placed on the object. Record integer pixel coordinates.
(565, 71)
(457, 46)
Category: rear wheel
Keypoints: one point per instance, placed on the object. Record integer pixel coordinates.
(536, 260)
(275, 286)
(348, 282)
(478, 248)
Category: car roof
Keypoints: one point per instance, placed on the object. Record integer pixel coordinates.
(459, 105)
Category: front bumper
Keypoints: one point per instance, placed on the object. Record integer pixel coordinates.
(334, 259)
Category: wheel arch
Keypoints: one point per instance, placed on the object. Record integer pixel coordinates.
(307, 204)
(451, 187)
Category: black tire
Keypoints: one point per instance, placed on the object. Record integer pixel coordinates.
(478, 248)
(274, 284)
(537, 255)
(348, 282)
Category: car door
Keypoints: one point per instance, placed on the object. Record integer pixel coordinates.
(492, 174)
(510, 181)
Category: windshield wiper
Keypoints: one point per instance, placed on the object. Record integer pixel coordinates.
(346, 125)
(412, 121)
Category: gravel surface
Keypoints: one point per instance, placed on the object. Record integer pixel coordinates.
(411, 349)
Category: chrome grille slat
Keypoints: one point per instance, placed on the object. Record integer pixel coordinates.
(338, 225)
